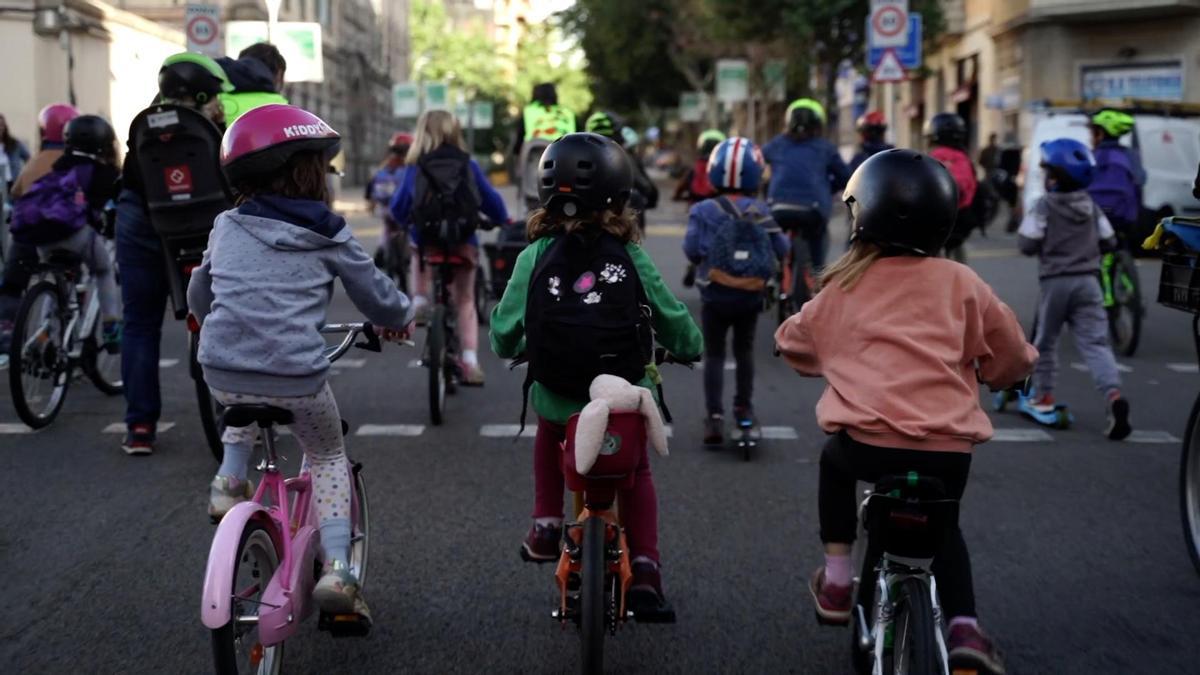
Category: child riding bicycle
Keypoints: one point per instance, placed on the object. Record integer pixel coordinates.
(1066, 229)
(261, 294)
(902, 338)
(1118, 177)
(610, 287)
(443, 185)
(736, 246)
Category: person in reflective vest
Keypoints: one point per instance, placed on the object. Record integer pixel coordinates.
(544, 117)
(257, 77)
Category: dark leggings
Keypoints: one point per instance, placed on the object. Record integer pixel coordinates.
(845, 461)
(717, 319)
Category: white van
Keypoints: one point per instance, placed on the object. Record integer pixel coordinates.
(1169, 148)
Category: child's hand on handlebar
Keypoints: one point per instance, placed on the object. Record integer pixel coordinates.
(398, 334)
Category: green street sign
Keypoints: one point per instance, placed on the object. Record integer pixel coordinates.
(482, 116)
(406, 100)
(775, 78)
(436, 96)
(733, 80)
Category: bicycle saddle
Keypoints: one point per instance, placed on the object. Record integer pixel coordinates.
(256, 413)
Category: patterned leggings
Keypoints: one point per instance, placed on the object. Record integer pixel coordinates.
(318, 429)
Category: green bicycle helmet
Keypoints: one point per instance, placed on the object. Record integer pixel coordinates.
(603, 123)
(1113, 122)
(709, 137)
(805, 114)
(191, 75)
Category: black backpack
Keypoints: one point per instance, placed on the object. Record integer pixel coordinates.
(446, 200)
(586, 314)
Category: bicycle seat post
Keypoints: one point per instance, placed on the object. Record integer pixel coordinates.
(271, 461)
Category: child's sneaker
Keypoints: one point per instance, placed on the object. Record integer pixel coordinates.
(472, 374)
(714, 429)
(337, 592)
(973, 651)
(743, 416)
(542, 543)
(110, 336)
(139, 439)
(1043, 404)
(226, 492)
(1118, 419)
(645, 597)
(832, 603)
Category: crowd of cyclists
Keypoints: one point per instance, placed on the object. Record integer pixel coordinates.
(584, 298)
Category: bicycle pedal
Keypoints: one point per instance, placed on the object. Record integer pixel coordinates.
(664, 613)
(344, 625)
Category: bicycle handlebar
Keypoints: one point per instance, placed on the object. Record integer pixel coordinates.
(370, 341)
(661, 356)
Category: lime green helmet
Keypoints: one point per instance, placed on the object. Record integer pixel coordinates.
(709, 136)
(188, 75)
(1113, 122)
(601, 123)
(804, 114)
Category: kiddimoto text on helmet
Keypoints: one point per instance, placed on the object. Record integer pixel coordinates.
(321, 129)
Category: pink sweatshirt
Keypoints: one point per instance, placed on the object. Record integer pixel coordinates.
(900, 352)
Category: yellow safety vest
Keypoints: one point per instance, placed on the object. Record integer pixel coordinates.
(549, 123)
(239, 103)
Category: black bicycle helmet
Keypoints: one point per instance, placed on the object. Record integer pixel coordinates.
(902, 199)
(193, 76)
(584, 172)
(947, 129)
(89, 135)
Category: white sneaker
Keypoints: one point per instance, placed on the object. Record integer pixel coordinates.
(337, 592)
(226, 492)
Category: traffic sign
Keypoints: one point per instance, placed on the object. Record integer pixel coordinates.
(692, 105)
(733, 80)
(437, 96)
(888, 23)
(202, 24)
(909, 54)
(774, 74)
(482, 114)
(889, 68)
(406, 100)
(298, 41)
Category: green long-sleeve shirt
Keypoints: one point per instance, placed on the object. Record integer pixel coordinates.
(674, 328)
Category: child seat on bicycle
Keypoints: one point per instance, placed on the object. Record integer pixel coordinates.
(584, 263)
(261, 295)
(902, 339)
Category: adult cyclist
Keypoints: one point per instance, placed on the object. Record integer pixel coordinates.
(1117, 183)
(645, 193)
(806, 170)
(191, 81)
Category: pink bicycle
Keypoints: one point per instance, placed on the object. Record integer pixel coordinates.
(266, 556)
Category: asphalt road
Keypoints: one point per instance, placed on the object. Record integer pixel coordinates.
(1076, 544)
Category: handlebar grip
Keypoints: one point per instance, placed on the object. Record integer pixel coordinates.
(371, 338)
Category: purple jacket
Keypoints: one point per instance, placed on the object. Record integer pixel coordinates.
(1116, 187)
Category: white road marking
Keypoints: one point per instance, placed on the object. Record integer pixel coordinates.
(507, 430)
(348, 363)
(1082, 367)
(1021, 435)
(780, 434)
(415, 363)
(390, 430)
(1152, 436)
(731, 365)
(1184, 367)
(168, 363)
(14, 428)
(119, 427)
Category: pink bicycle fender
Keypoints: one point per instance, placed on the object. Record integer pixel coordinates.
(216, 599)
(282, 611)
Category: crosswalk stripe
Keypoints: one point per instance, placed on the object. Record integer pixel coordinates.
(168, 363)
(1152, 436)
(119, 427)
(666, 230)
(390, 430)
(348, 363)
(1184, 367)
(1021, 435)
(14, 428)
(780, 434)
(507, 430)
(1082, 367)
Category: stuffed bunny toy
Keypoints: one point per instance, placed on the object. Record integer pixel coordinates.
(614, 394)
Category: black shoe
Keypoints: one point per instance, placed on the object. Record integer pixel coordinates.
(645, 597)
(1118, 420)
(689, 277)
(541, 543)
(714, 429)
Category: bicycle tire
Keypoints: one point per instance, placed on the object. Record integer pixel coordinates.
(398, 261)
(1189, 485)
(360, 538)
(481, 295)
(801, 293)
(1125, 343)
(914, 646)
(18, 364)
(90, 363)
(258, 538)
(592, 600)
(435, 361)
(211, 412)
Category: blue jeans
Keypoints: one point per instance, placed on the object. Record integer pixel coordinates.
(144, 293)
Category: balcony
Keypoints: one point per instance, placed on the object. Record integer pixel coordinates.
(1024, 11)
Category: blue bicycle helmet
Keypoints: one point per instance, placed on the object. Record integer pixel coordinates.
(736, 164)
(1070, 160)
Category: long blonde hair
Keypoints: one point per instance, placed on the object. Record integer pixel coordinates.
(434, 128)
(623, 225)
(847, 270)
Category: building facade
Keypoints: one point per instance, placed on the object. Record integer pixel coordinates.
(997, 59)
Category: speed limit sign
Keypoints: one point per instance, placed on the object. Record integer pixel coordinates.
(202, 24)
(888, 23)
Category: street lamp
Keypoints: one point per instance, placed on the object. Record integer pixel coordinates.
(50, 19)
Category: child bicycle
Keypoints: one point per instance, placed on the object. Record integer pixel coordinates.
(265, 556)
(57, 328)
(1122, 299)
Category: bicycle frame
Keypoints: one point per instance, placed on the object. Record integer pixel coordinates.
(570, 562)
(70, 291)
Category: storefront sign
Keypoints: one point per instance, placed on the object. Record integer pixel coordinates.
(1154, 81)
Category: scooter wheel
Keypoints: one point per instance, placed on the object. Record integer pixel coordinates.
(1001, 400)
(1062, 419)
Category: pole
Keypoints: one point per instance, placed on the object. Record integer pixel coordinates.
(471, 126)
(272, 18)
(889, 109)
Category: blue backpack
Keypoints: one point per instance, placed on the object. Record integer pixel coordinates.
(54, 208)
(740, 254)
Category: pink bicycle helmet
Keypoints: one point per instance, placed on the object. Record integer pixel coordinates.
(262, 140)
(52, 120)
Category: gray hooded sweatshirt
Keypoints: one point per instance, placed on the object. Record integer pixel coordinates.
(263, 289)
(1065, 229)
